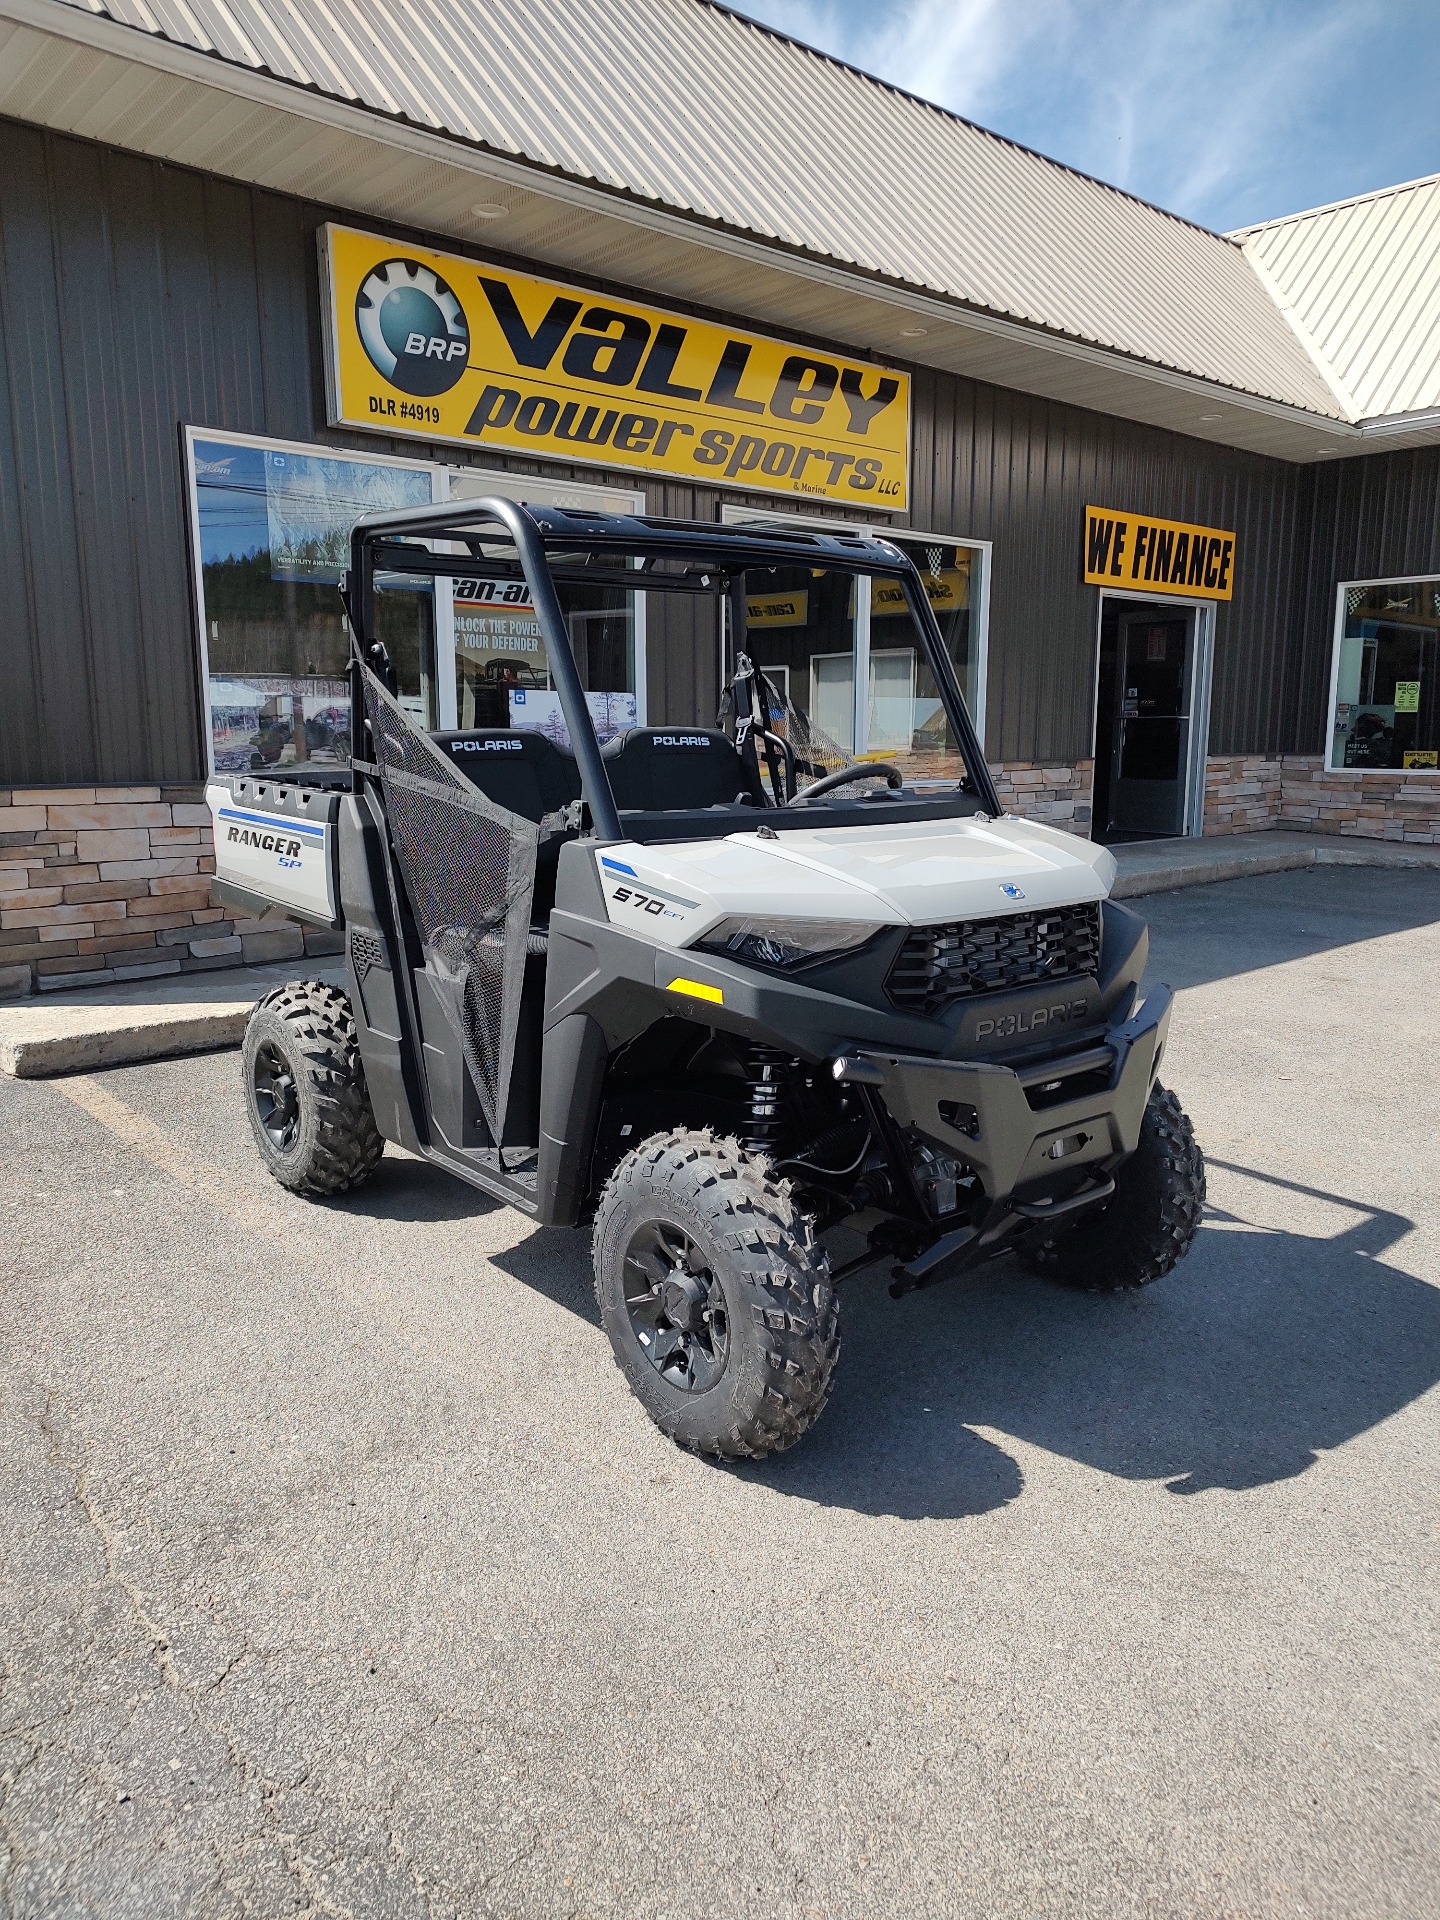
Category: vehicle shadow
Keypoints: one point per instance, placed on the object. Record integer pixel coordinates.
(1263, 1350)
(555, 1262)
(411, 1191)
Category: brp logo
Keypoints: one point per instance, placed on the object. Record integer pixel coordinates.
(412, 327)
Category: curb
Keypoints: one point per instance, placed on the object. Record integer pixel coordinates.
(42, 1038)
(1204, 871)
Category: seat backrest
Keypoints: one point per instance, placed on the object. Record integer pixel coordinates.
(520, 770)
(667, 769)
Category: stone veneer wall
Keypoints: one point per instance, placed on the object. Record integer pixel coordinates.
(101, 884)
(1058, 795)
(1246, 793)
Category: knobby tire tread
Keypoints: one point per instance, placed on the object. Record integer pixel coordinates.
(1141, 1234)
(782, 1270)
(347, 1145)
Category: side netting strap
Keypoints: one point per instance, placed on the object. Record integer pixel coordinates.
(469, 871)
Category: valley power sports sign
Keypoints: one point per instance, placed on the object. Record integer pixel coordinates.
(443, 348)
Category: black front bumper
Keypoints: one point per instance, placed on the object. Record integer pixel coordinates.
(1028, 1131)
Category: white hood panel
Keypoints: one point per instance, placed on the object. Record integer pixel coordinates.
(902, 875)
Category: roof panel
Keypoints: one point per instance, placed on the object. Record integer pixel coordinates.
(690, 106)
(1362, 279)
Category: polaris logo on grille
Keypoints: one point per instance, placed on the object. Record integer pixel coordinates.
(1008, 1026)
(1011, 891)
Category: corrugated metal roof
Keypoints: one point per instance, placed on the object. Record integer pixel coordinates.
(1360, 281)
(689, 106)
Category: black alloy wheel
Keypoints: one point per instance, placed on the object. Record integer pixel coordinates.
(305, 1091)
(676, 1307)
(277, 1099)
(715, 1295)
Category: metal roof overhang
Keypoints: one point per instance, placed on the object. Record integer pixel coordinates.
(81, 74)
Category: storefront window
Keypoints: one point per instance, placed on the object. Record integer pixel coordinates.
(1387, 692)
(816, 634)
(815, 639)
(272, 524)
(501, 675)
(950, 575)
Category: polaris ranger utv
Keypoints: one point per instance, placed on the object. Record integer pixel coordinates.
(717, 989)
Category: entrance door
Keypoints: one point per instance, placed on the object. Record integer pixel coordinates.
(1142, 731)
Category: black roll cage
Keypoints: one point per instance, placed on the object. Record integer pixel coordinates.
(675, 556)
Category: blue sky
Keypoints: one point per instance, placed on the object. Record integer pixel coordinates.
(1224, 111)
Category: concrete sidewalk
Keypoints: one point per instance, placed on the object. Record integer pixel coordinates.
(1162, 866)
(150, 1019)
(146, 1020)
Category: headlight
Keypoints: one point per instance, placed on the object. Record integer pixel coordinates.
(784, 943)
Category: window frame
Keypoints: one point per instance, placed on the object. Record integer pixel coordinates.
(731, 513)
(1327, 748)
(442, 474)
(273, 442)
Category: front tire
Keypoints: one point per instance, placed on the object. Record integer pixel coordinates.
(305, 1090)
(1148, 1225)
(716, 1299)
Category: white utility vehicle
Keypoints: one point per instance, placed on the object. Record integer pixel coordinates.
(717, 990)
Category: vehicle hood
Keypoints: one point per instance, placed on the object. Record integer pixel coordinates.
(908, 875)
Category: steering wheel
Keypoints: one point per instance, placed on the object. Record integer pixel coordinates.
(865, 770)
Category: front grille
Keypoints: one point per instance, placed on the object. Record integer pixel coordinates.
(939, 965)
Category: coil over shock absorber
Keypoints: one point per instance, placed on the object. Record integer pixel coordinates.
(767, 1072)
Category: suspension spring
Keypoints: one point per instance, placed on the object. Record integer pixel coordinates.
(767, 1072)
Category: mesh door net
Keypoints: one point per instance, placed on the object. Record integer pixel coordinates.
(469, 871)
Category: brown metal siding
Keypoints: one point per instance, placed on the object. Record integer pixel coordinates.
(136, 296)
(1367, 519)
(1020, 471)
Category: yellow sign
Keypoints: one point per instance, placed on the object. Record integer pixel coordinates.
(443, 348)
(945, 591)
(1421, 757)
(1407, 696)
(1142, 552)
(779, 609)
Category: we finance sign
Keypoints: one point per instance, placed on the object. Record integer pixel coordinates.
(1141, 551)
(444, 348)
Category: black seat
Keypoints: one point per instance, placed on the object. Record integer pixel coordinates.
(673, 769)
(520, 770)
(526, 773)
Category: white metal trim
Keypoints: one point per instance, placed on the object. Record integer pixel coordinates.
(1382, 773)
(1202, 642)
(213, 71)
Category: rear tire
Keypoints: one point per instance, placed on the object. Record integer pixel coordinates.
(1148, 1226)
(305, 1090)
(715, 1296)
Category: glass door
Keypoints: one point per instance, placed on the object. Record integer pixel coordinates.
(1152, 724)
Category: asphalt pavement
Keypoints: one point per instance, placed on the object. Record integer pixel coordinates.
(340, 1575)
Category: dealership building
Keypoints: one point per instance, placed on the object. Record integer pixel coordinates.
(269, 264)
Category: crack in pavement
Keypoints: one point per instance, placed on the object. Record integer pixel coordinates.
(197, 1697)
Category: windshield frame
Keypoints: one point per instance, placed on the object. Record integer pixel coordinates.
(634, 552)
